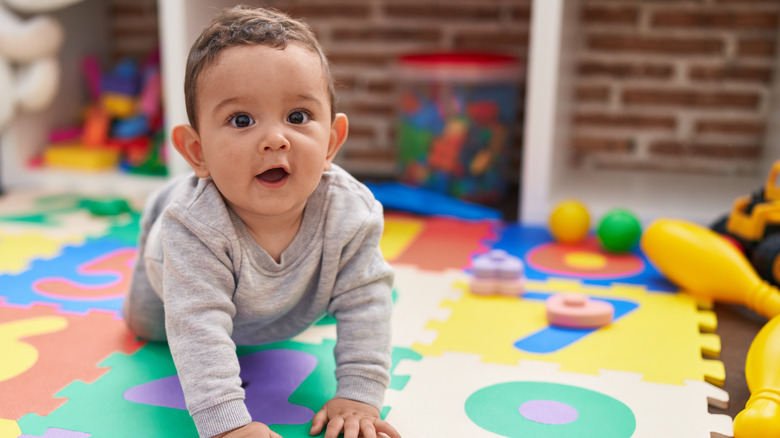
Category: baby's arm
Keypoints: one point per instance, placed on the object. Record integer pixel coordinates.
(252, 430)
(351, 417)
(198, 285)
(362, 305)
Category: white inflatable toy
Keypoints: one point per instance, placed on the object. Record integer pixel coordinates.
(29, 70)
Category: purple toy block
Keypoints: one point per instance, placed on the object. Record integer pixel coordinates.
(497, 264)
(112, 83)
(497, 272)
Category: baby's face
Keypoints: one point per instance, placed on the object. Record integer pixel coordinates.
(265, 127)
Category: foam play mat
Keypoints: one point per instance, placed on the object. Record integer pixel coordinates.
(464, 365)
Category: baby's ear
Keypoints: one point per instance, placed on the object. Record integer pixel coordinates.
(187, 142)
(339, 130)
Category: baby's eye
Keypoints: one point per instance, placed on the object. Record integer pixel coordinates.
(241, 121)
(298, 117)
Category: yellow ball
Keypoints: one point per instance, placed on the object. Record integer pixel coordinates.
(569, 221)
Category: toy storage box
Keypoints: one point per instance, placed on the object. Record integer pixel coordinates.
(457, 115)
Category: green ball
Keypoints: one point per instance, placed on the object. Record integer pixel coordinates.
(619, 230)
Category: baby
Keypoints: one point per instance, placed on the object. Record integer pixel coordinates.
(267, 235)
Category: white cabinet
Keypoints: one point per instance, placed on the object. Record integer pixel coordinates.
(545, 177)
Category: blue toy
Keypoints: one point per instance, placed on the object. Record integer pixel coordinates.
(395, 196)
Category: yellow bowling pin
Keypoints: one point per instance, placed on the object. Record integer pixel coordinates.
(761, 417)
(704, 264)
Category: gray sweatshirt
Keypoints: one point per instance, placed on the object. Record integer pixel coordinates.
(220, 288)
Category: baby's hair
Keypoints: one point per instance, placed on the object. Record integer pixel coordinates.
(245, 25)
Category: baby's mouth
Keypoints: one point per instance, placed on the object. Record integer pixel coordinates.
(273, 175)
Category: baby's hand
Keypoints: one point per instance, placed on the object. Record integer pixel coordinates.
(354, 418)
(251, 430)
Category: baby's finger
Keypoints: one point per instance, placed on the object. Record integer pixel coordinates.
(351, 428)
(318, 422)
(334, 427)
(386, 428)
(367, 428)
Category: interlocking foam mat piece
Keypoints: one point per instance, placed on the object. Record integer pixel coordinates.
(463, 365)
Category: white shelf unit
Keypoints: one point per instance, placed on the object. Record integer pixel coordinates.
(96, 183)
(180, 24)
(545, 178)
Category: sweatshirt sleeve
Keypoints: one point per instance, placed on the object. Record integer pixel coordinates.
(198, 287)
(362, 306)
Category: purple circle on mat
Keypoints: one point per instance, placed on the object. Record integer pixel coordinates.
(548, 412)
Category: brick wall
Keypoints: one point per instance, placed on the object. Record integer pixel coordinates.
(363, 38)
(134, 29)
(674, 85)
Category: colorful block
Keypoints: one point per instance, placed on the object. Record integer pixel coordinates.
(497, 272)
(149, 100)
(131, 127)
(112, 83)
(118, 105)
(96, 126)
(81, 158)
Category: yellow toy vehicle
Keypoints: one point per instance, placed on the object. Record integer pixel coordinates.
(754, 223)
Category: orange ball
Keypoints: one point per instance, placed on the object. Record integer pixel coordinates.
(569, 222)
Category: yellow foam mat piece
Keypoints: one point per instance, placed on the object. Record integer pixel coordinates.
(22, 356)
(399, 233)
(710, 344)
(714, 371)
(660, 339)
(708, 321)
(9, 428)
(17, 250)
